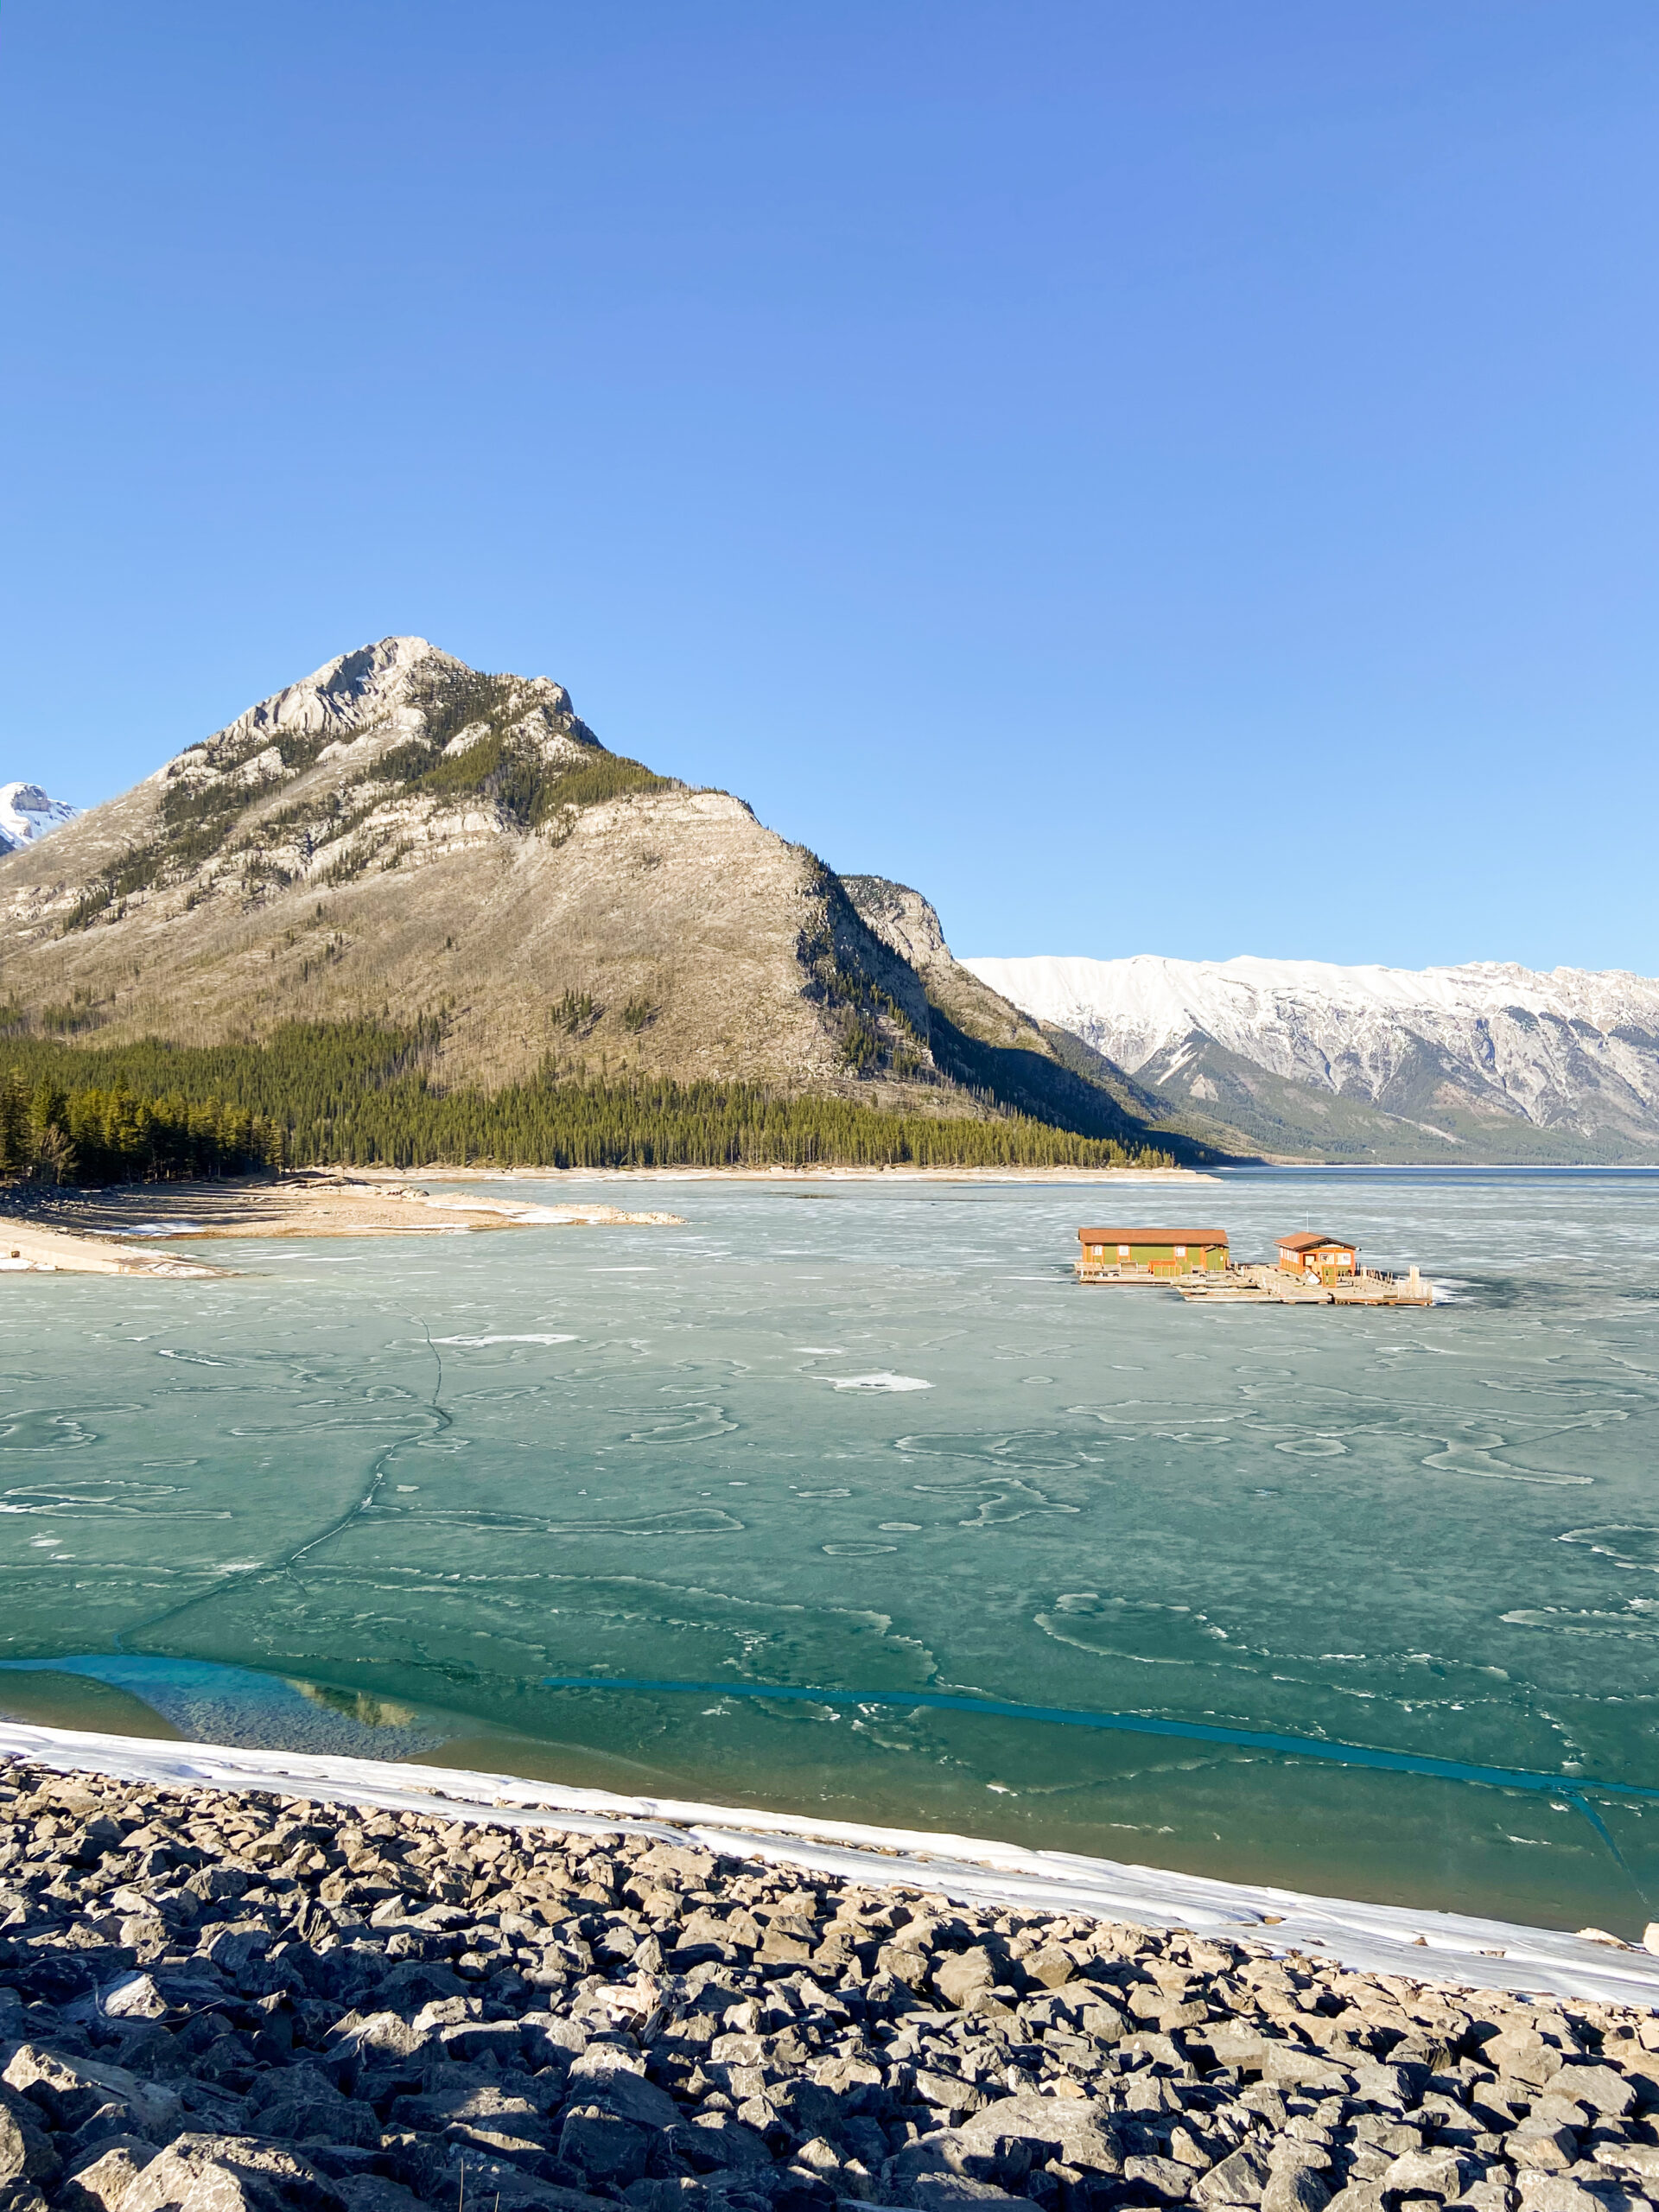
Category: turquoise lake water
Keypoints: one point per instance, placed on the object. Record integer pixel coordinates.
(426, 1497)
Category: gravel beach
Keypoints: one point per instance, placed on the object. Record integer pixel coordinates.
(219, 2000)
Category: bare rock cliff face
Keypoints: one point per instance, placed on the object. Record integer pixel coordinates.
(399, 834)
(907, 922)
(988, 1043)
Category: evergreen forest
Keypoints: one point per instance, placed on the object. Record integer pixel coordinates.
(357, 1094)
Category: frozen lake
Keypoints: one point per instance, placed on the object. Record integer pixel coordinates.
(1363, 1602)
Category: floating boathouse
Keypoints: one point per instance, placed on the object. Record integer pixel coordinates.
(1129, 1255)
(1326, 1259)
(1311, 1270)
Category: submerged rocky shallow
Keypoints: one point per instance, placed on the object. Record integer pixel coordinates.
(251, 2002)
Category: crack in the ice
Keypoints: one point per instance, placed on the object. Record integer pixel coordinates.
(289, 1561)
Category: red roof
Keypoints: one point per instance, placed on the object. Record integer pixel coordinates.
(1153, 1235)
(1307, 1240)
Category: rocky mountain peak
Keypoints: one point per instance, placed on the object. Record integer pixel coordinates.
(901, 918)
(432, 845)
(27, 815)
(353, 692)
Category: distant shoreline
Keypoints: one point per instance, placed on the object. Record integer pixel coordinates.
(1139, 1176)
(96, 1232)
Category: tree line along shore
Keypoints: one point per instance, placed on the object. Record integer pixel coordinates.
(245, 2002)
(353, 1094)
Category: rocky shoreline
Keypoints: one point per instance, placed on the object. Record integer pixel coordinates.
(247, 2001)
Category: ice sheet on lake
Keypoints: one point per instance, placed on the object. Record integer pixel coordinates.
(881, 1382)
(1442, 1946)
(555, 1337)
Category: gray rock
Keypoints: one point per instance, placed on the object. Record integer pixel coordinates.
(1543, 2147)
(97, 2181)
(303, 2107)
(1523, 2054)
(965, 1977)
(1239, 2179)
(501, 2098)
(604, 2146)
(26, 2152)
(135, 1996)
(1552, 2111)
(1287, 2066)
(228, 2173)
(549, 2039)
(387, 2033)
(633, 2097)
(374, 2193)
(1555, 2193)
(1641, 2159)
(1377, 2084)
(1300, 2150)
(716, 2141)
(1295, 2187)
(1599, 2088)
(1444, 2174)
(70, 2089)
(1237, 2042)
(1170, 2178)
(944, 2188)
(1489, 2195)
(1076, 2129)
(487, 2179)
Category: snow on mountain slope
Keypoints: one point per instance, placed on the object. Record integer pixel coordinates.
(1572, 1049)
(27, 815)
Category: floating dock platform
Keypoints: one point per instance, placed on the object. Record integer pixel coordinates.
(1313, 1269)
(1272, 1287)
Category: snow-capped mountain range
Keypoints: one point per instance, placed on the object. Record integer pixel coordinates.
(27, 815)
(1451, 1054)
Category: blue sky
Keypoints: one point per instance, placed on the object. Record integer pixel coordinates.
(1160, 479)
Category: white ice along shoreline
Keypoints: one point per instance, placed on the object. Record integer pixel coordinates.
(1438, 1947)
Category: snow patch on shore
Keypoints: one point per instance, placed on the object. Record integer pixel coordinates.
(1444, 1947)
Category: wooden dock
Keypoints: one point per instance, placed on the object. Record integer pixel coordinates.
(1130, 1278)
(1272, 1287)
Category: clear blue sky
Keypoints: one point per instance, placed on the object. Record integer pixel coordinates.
(1095, 462)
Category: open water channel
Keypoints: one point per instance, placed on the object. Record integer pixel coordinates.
(1362, 1601)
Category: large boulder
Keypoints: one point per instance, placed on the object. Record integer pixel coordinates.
(98, 2181)
(1076, 2129)
(26, 2152)
(69, 2090)
(964, 1977)
(229, 2173)
(1295, 2188)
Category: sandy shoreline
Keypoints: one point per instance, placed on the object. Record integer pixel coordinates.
(222, 1986)
(97, 1232)
(88, 1232)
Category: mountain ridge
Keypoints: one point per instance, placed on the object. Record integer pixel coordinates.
(1482, 1059)
(398, 838)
